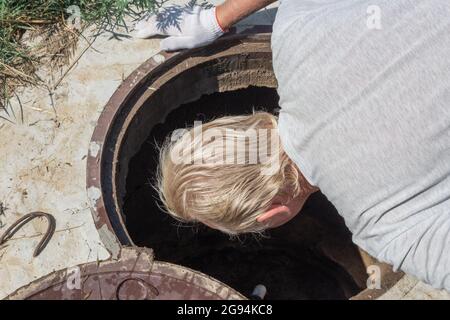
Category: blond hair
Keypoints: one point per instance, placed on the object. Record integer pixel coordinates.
(228, 195)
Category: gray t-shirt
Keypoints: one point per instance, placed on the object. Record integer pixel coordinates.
(366, 117)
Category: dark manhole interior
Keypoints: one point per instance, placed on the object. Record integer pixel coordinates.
(312, 257)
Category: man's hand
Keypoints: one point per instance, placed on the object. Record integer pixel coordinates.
(187, 27)
(193, 25)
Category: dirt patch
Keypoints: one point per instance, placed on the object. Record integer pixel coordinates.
(289, 260)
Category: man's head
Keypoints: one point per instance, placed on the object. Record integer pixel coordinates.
(231, 174)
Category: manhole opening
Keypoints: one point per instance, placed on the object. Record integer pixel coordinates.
(311, 257)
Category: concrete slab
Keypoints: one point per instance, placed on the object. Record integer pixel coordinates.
(409, 288)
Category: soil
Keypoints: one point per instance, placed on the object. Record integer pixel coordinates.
(287, 260)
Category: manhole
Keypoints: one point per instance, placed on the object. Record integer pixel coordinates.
(312, 257)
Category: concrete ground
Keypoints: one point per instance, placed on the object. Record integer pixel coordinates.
(43, 161)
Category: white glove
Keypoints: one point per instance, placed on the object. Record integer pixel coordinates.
(187, 27)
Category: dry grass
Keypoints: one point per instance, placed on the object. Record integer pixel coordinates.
(54, 39)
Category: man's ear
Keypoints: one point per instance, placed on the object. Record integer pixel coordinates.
(274, 211)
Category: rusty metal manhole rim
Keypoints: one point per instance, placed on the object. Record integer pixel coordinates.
(159, 63)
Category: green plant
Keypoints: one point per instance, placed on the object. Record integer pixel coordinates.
(48, 18)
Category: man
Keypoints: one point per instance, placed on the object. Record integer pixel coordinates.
(365, 117)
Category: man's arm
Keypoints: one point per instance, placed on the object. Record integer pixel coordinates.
(232, 11)
(195, 26)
